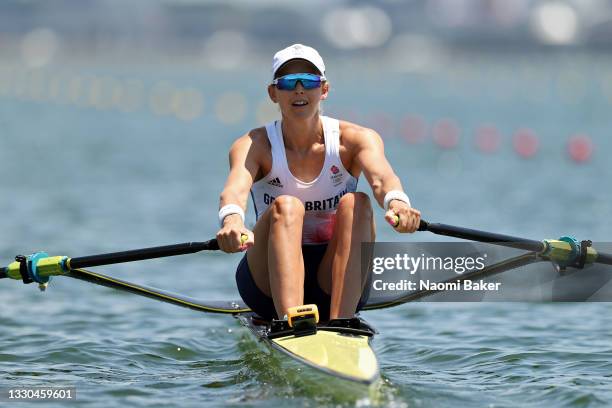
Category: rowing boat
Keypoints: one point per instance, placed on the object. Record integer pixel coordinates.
(339, 349)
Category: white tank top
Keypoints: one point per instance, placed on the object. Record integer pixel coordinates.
(320, 196)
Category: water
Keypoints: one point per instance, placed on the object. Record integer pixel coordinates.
(77, 180)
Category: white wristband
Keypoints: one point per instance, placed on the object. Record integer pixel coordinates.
(396, 195)
(230, 209)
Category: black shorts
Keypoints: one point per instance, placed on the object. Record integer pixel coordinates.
(263, 305)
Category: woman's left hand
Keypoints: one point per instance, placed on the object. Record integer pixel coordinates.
(402, 217)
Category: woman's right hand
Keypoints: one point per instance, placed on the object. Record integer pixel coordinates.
(234, 236)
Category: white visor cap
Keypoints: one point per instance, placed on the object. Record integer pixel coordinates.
(298, 51)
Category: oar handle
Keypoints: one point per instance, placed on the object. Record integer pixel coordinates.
(422, 226)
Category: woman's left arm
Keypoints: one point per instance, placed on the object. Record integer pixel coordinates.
(369, 154)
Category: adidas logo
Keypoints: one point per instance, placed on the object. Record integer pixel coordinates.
(275, 182)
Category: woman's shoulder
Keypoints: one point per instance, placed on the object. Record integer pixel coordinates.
(350, 127)
(258, 134)
(256, 137)
(254, 143)
(352, 133)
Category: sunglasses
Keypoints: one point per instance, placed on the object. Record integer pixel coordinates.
(289, 82)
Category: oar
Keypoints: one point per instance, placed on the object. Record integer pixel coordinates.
(40, 268)
(565, 251)
(142, 254)
(482, 236)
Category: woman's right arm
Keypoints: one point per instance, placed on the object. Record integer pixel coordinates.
(244, 168)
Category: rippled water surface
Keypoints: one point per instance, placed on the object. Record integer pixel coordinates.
(78, 181)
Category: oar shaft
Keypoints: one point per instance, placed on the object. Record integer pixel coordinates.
(483, 236)
(604, 258)
(142, 254)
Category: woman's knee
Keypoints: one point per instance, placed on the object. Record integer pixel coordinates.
(287, 208)
(357, 203)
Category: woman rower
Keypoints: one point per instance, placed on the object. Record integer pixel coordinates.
(302, 173)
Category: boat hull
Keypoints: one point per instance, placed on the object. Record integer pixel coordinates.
(342, 353)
